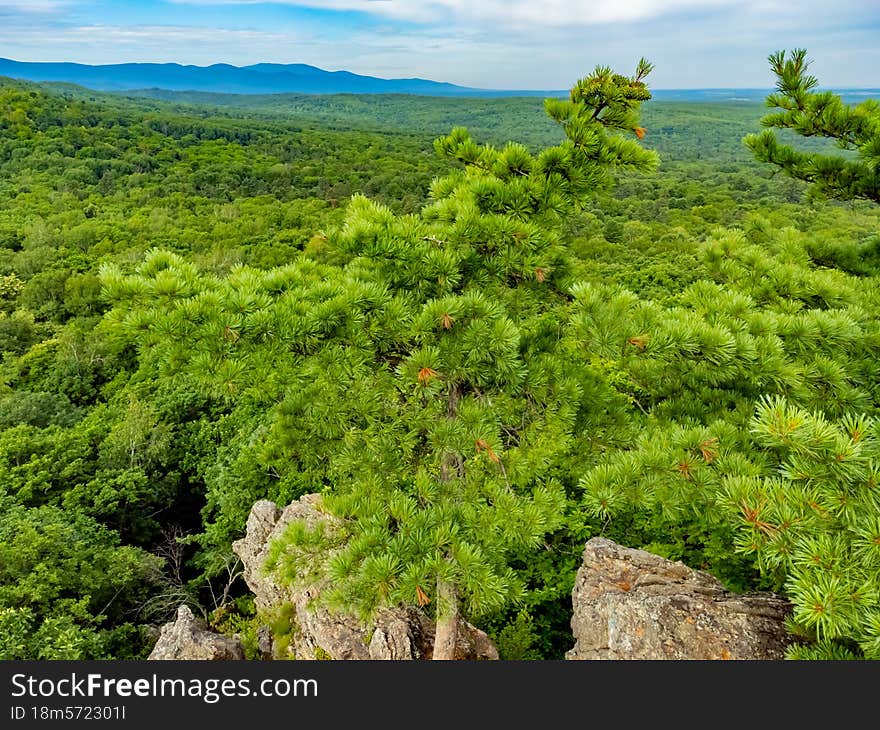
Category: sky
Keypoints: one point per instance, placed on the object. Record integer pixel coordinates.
(496, 44)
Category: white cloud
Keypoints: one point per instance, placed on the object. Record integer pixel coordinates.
(32, 6)
(502, 13)
(160, 43)
(168, 34)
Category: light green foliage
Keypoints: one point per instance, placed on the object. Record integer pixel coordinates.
(759, 384)
(238, 618)
(282, 624)
(10, 288)
(769, 322)
(818, 517)
(800, 492)
(421, 383)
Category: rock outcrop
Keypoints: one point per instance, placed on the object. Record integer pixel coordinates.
(188, 638)
(631, 604)
(395, 633)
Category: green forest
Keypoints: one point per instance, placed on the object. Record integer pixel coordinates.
(485, 330)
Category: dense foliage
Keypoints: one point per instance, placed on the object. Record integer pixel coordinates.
(481, 358)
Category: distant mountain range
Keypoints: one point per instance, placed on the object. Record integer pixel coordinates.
(262, 78)
(298, 78)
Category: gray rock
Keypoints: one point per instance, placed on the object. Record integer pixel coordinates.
(631, 604)
(399, 633)
(265, 642)
(188, 638)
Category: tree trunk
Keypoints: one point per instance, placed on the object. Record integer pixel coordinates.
(452, 463)
(447, 621)
(446, 633)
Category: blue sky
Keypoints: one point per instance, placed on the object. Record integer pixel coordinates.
(520, 44)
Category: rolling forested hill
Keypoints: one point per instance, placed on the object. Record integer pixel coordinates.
(692, 298)
(265, 78)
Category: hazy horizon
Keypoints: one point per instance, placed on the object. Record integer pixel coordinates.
(756, 89)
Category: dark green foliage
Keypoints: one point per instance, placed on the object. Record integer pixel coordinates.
(66, 585)
(516, 640)
(37, 409)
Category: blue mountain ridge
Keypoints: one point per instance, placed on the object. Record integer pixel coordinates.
(262, 78)
(299, 78)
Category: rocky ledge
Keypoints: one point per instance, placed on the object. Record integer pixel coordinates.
(631, 604)
(188, 638)
(395, 633)
(626, 603)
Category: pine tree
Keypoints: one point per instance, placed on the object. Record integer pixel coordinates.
(427, 386)
(482, 396)
(812, 113)
(795, 490)
(755, 388)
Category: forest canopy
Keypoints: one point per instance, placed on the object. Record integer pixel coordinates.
(481, 352)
